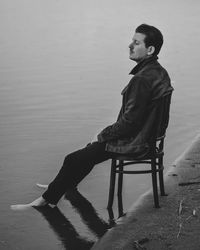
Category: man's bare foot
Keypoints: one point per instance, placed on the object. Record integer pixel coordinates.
(20, 207)
(39, 202)
(42, 185)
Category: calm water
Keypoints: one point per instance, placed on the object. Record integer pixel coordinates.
(63, 65)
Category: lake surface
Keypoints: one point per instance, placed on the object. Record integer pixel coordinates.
(63, 65)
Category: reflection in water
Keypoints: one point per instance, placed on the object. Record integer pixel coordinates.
(66, 233)
(87, 213)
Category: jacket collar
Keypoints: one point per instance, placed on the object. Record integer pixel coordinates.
(143, 63)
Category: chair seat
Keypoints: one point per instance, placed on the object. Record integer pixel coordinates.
(128, 157)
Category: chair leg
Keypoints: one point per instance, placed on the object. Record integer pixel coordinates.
(120, 179)
(119, 191)
(154, 183)
(161, 179)
(120, 206)
(112, 184)
(111, 217)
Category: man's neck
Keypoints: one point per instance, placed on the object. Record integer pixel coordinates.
(142, 63)
(143, 59)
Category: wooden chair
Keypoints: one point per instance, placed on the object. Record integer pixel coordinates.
(154, 158)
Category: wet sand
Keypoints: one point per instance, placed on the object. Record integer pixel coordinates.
(176, 225)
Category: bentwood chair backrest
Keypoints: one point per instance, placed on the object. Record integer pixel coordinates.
(164, 114)
(161, 122)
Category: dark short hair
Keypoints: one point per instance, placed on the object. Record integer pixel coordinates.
(153, 37)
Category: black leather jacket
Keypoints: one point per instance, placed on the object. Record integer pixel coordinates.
(129, 133)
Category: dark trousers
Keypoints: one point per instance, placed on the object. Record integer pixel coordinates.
(75, 167)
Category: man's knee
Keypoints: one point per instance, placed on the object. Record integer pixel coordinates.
(88, 154)
(72, 158)
(68, 159)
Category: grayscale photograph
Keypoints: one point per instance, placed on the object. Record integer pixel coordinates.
(99, 125)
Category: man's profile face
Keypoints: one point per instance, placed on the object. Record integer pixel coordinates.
(138, 49)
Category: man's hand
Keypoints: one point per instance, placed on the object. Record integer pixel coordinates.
(94, 139)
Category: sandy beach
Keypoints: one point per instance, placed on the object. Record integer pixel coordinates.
(176, 225)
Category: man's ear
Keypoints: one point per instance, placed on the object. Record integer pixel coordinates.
(151, 50)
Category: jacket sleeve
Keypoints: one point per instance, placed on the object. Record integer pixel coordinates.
(136, 100)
